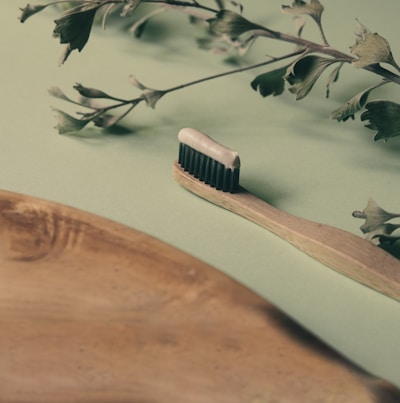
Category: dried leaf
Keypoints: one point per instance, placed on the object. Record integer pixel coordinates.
(353, 105)
(383, 234)
(374, 216)
(152, 97)
(30, 10)
(58, 93)
(371, 48)
(383, 116)
(74, 28)
(91, 92)
(106, 14)
(270, 83)
(333, 77)
(67, 123)
(299, 23)
(304, 73)
(229, 23)
(376, 226)
(386, 242)
(136, 83)
(314, 9)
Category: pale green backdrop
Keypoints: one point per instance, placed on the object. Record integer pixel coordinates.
(292, 155)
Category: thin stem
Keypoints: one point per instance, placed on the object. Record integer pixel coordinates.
(387, 74)
(140, 21)
(235, 71)
(262, 32)
(327, 50)
(220, 4)
(179, 3)
(117, 118)
(102, 3)
(53, 3)
(136, 101)
(133, 102)
(322, 32)
(310, 45)
(304, 43)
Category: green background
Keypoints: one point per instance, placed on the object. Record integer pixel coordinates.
(292, 155)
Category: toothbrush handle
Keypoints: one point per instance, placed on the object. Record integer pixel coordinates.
(344, 252)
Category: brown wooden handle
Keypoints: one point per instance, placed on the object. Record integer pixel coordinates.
(344, 252)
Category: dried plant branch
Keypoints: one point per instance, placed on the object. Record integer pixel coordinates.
(227, 24)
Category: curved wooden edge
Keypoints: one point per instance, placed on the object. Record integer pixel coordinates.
(93, 311)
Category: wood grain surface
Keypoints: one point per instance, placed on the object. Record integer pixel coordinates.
(93, 311)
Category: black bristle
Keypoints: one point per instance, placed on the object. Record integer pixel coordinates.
(208, 170)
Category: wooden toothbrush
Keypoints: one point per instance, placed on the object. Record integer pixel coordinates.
(211, 171)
